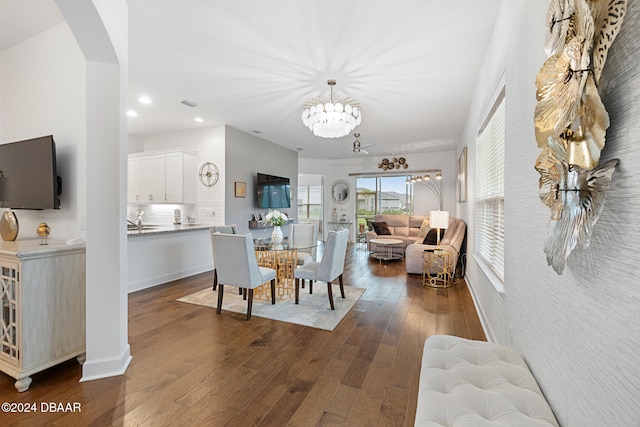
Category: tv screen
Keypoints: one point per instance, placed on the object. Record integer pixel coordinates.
(274, 192)
(28, 174)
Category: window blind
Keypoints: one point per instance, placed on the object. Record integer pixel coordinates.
(490, 189)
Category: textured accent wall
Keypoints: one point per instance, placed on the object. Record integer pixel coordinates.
(579, 331)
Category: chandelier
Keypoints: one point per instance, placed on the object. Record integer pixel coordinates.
(329, 119)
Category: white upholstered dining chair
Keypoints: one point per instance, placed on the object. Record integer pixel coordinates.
(328, 269)
(227, 229)
(305, 238)
(237, 266)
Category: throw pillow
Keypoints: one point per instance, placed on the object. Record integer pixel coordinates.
(432, 237)
(381, 228)
(424, 228)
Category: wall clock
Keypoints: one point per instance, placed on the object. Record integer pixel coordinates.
(209, 174)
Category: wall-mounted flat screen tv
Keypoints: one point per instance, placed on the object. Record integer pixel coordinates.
(28, 174)
(274, 192)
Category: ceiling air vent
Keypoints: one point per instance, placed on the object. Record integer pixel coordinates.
(189, 103)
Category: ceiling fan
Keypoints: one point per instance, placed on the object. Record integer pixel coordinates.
(357, 147)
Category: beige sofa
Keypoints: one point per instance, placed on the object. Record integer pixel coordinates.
(407, 229)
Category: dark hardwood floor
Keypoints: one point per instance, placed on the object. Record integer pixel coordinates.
(193, 367)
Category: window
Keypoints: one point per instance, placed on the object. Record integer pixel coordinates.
(384, 195)
(309, 202)
(490, 189)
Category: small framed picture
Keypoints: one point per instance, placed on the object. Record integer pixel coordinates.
(240, 189)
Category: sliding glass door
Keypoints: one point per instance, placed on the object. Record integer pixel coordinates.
(384, 195)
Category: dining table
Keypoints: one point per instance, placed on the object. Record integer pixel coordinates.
(283, 258)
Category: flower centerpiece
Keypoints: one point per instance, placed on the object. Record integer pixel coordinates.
(277, 219)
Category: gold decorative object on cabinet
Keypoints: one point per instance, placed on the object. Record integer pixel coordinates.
(571, 121)
(43, 231)
(9, 226)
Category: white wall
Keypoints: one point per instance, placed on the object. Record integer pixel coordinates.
(209, 143)
(578, 331)
(42, 82)
(424, 199)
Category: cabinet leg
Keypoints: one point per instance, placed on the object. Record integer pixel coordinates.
(82, 358)
(23, 384)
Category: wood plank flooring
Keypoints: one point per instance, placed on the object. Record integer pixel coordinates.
(192, 367)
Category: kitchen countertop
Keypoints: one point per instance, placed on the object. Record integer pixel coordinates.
(167, 228)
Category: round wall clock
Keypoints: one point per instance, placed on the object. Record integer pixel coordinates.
(208, 174)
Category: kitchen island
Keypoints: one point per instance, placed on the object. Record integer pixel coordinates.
(158, 254)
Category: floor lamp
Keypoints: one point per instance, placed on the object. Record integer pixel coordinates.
(439, 220)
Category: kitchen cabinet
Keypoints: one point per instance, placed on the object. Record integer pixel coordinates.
(42, 300)
(162, 177)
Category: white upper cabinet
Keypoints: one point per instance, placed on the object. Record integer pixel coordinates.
(162, 177)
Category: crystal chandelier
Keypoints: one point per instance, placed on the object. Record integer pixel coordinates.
(329, 119)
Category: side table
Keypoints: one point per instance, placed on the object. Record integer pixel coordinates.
(437, 270)
(338, 225)
(361, 242)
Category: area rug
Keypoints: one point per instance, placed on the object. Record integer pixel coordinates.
(313, 310)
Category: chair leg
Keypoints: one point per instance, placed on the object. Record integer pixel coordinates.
(330, 293)
(244, 293)
(215, 279)
(239, 291)
(250, 304)
(302, 283)
(220, 292)
(310, 287)
(273, 291)
(341, 286)
(297, 281)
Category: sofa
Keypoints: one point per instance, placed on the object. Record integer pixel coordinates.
(407, 229)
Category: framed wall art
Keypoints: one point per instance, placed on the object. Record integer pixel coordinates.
(461, 184)
(240, 189)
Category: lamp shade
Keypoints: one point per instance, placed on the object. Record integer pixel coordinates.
(439, 219)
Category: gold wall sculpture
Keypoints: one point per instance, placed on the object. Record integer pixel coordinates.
(571, 121)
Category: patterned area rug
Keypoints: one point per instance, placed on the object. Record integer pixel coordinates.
(313, 310)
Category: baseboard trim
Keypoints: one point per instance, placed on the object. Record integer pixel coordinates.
(488, 332)
(165, 278)
(106, 367)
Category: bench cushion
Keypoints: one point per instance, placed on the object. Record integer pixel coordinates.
(476, 383)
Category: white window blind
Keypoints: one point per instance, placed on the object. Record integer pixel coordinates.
(490, 189)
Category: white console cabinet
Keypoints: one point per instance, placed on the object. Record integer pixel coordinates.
(42, 300)
(166, 176)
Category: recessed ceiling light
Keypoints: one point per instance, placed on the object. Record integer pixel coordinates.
(144, 100)
(132, 113)
(198, 119)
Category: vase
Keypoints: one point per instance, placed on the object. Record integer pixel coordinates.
(276, 236)
(9, 226)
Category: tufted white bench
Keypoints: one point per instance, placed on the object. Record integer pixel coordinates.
(476, 384)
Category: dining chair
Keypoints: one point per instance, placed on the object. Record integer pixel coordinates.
(227, 229)
(237, 266)
(328, 269)
(305, 238)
